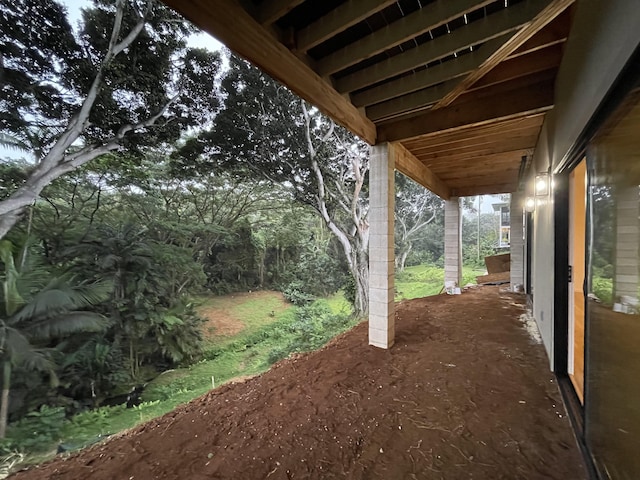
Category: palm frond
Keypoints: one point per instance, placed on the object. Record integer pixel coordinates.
(38, 360)
(16, 345)
(13, 143)
(67, 323)
(58, 297)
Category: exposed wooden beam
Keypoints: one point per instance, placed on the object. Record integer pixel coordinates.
(523, 65)
(471, 166)
(472, 191)
(409, 165)
(338, 20)
(234, 27)
(476, 109)
(474, 132)
(554, 33)
(438, 144)
(429, 17)
(535, 62)
(475, 164)
(487, 177)
(551, 11)
(428, 77)
(476, 32)
(410, 103)
(506, 144)
(270, 11)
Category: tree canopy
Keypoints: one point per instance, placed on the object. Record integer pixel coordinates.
(124, 81)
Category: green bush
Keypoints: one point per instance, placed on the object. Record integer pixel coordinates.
(92, 420)
(35, 432)
(314, 326)
(603, 289)
(294, 292)
(349, 290)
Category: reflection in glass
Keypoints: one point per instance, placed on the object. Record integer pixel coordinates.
(612, 404)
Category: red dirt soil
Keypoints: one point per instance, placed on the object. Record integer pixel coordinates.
(464, 393)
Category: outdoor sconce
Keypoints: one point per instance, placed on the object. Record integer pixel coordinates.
(542, 184)
(529, 204)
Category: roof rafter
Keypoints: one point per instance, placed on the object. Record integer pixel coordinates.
(554, 33)
(430, 151)
(550, 12)
(270, 11)
(510, 100)
(412, 102)
(476, 32)
(409, 165)
(473, 164)
(473, 132)
(429, 17)
(338, 20)
(428, 77)
(506, 175)
(538, 61)
(515, 143)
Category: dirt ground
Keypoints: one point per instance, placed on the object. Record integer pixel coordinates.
(464, 393)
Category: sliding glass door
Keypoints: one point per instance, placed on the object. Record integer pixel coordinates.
(612, 367)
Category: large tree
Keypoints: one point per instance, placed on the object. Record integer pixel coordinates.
(416, 207)
(266, 131)
(124, 80)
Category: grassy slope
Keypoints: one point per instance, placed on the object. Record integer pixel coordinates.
(225, 358)
(265, 319)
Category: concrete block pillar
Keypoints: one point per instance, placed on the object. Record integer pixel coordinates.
(381, 252)
(627, 240)
(452, 241)
(517, 239)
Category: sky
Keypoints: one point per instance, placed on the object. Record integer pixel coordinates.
(201, 40)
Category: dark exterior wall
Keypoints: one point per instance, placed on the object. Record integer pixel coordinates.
(604, 35)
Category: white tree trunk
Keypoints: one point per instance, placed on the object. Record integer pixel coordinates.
(355, 243)
(59, 160)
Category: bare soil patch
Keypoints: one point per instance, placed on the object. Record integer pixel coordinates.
(221, 321)
(464, 393)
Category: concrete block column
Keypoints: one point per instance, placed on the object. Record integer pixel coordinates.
(517, 239)
(627, 239)
(381, 247)
(452, 241)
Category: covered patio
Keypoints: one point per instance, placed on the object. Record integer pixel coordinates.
(452, 94)
(463, 394)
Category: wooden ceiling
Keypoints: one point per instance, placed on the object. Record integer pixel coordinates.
(461, 86)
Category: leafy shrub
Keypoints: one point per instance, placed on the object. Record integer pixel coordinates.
(349, 289)
(92, 420)
(314, 326)
(36, 432)
(603, 289)
(294, 292)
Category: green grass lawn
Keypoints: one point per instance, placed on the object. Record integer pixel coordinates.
(424, 280)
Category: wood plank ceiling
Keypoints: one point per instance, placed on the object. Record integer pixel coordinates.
(461, 85)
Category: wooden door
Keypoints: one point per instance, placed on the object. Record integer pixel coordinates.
(577, 234)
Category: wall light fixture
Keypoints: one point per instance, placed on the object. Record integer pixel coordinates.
(542, 184)
(529, 204)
